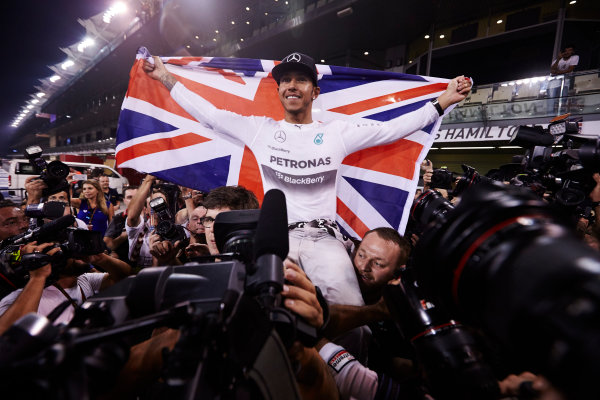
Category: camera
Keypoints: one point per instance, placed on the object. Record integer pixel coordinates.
(234, 233)
(73, 242)
(501, 261)
(54, 174)
(566, 174)
(166, 227)
(233, 330)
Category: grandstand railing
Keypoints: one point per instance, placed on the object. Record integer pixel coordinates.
(545, 96)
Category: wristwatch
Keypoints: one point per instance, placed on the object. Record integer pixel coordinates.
(438, 107)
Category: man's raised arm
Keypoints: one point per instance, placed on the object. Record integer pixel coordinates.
(226, 122)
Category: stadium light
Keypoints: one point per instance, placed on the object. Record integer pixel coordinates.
(232, 22)
(35, 101)
(247, 8)
(426, 36)
(366, 53)
(197, 37)
(247, 22)
(442, 36)
(67, 64)
(87, 42)
(54, 78)
(117, 8)
(573, 2)
(217, 31)
(322, 60)
(41, 94)
(499, 21)
(242, 39)
(30, 106)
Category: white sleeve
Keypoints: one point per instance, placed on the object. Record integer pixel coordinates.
(90, 282)
(353, 380)
(360, 136)
(229, 123)
(574, 60)
(8, 300)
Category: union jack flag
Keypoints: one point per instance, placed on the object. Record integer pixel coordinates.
(155, 135)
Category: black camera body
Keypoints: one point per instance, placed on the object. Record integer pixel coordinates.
(567, 173)
(233, 332)
(166, 227)
(442, 178)
(73, 242)
(502, 261)
(54, 174)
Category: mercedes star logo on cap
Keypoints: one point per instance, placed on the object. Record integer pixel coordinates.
(293, 57)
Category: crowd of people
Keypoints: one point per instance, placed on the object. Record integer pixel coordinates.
(360, 353)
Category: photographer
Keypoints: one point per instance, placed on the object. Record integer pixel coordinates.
(164, 252)
(224, 198)
(12, 220)
(75, 284)
(192, 199)
(115, 236)
(140, 223)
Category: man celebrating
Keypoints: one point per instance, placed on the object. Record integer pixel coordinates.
(301, 157)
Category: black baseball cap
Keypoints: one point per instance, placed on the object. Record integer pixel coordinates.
(296, 62)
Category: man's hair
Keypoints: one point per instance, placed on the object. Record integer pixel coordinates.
(233, 197)
(392, 235)
(7, 203)
(132, 187)
(570, 45)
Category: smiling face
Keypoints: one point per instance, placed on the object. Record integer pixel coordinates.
(375, 262)
(296, 92)
(104, 182)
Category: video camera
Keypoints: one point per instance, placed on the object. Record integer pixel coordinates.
(166, 227)
(565, 174)
(233, 329)
(73, 242)
(501, 261)
(54, 174)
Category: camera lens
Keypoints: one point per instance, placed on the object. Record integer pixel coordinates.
(502, 261)
(429, 208)
(57, 170)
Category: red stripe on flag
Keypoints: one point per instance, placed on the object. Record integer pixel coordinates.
(158, 145)
(380, 101)
(142, 87)
(250, 175)
(396, 158)
(351, 219)
(232, 76)
(265, 103)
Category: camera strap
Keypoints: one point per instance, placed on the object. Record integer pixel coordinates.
(64, 292)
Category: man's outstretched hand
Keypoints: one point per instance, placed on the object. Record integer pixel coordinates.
(458, 90)
(159, 72)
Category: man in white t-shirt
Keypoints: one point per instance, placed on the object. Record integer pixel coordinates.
(76, 282)
(301, 157)
(566, 61)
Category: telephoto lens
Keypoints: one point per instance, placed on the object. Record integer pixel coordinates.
(504, 262)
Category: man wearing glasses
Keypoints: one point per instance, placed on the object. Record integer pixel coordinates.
(224, 198)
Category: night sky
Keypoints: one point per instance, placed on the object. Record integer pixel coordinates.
(32, 32)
